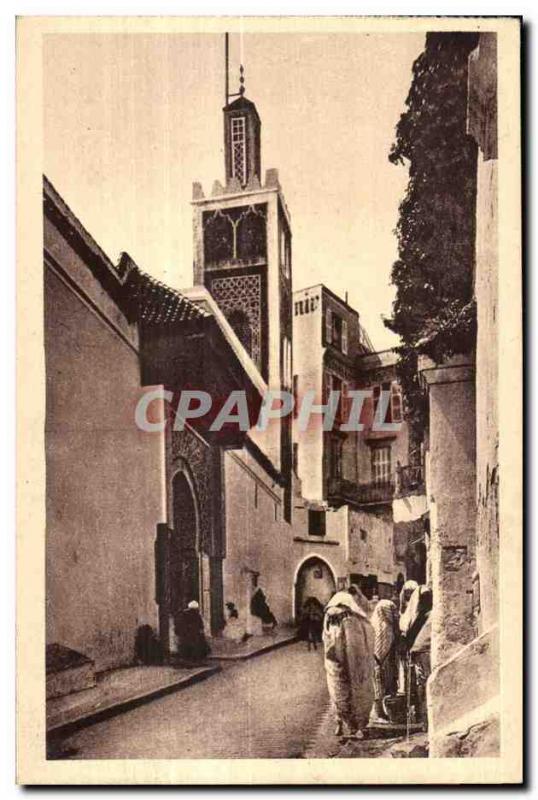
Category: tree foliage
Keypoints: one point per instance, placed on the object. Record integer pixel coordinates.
(433, 312)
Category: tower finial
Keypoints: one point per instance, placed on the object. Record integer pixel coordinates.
(241, 80)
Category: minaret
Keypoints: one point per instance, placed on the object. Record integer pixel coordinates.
(242, 138)
(242, 250)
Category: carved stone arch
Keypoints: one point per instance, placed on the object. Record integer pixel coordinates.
(308, 582)
(192, 456)
(184, 555)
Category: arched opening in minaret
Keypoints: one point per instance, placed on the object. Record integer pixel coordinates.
(251, 235)
(218, 238)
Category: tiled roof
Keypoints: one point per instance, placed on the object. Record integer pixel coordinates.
(155, 303)
(141, 297)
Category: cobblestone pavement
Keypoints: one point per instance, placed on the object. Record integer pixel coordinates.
(268, 707)
(324, 744)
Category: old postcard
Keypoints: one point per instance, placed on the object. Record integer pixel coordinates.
(270, 431)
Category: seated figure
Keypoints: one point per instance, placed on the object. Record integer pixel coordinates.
(234, 628)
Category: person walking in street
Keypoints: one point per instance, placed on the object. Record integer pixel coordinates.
(259, 607)
(411, 624)
(360, 598)
(405, 596)
(311, 622)
(420, 657)
(348, 640)
(192, 642)
(385, 624)
(416, 614)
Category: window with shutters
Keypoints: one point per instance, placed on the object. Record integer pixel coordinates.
(345, 402)
(344, 337)
(386, 388)
(396, 403)
(289, 377)
(329, 326)
(336, 332)
(376, 393)
(389, 402)
(327, 386)
(381, 465)
(335, 458)
(285, 252)
(337, 386)
(316, 522)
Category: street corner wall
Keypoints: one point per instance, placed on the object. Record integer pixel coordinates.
(103, 478)
(487, 424)
(308, 367)
(451, 492)
(258, 540)
(463, 702)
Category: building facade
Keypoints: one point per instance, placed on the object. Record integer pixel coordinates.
(328, 338)
(348, 479)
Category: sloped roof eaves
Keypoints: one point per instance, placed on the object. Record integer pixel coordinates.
(141, 297)
(61, 216)
(154, 303)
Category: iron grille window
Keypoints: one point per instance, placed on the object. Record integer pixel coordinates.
(239, 149)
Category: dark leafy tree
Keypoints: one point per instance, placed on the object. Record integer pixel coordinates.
(433, 312)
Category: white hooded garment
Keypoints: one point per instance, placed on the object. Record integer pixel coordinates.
(348, 639)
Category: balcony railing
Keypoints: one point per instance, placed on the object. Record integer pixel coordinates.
(344, 491)
(409, 480)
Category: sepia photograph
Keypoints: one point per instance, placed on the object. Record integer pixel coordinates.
(270, 282)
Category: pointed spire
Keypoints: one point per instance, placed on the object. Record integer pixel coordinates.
(241, 80)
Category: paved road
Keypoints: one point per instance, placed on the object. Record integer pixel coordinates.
(268, 707)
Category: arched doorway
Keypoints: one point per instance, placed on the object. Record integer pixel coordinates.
(184, 556)
(314, 579)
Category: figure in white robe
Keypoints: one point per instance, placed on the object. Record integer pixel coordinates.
(348, 639)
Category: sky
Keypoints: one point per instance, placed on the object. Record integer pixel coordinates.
(131, 120)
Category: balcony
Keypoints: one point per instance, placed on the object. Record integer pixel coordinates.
(341, 491)
(409, 480)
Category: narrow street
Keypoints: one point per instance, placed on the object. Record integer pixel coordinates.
(268, 707)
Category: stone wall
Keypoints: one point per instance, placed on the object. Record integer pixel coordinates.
(451, 495)
(462, 701)
(371, 547)
(487, 465)
(104, 476)
(258, 540)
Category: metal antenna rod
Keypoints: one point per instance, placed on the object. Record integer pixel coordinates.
(226, 68)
